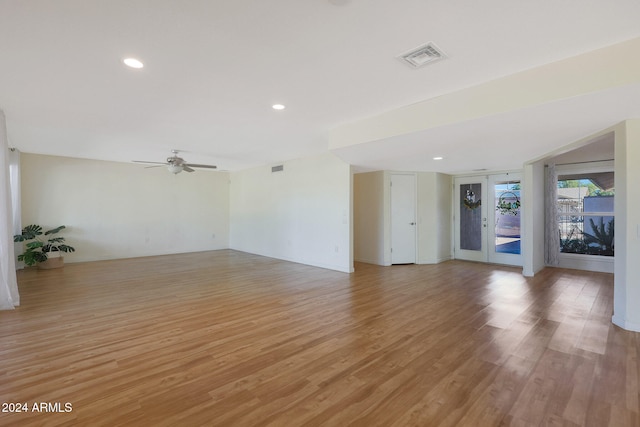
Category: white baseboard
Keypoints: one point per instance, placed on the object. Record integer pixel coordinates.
(369, 261)
(434, 261)
(625, 324)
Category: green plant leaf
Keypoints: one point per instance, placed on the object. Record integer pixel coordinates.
(32, 257)
(34, 245)
(29, 232)
(55, 230)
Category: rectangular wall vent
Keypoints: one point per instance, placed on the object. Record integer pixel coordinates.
(422, 55)
(278, 168)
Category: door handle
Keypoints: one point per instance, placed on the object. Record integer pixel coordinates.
(412, 223)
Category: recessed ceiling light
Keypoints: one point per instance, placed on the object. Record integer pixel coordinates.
(278, 107)
(133, 63)
(438, 158)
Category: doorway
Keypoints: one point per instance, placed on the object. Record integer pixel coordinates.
(487, 219)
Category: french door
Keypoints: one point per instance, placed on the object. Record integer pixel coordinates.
(487, 218)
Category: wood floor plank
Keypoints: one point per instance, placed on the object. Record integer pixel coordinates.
(226, 338)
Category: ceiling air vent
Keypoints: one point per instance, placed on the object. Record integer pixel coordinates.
(279, 168)
(423, 55)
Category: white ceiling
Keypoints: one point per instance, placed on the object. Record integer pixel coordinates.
(598, 149)
(214, 68)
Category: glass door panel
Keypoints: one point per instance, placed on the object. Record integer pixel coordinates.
(471, 218)
(506, 217)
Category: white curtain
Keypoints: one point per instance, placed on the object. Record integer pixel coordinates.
(16, 200)
(551, 234)
(9, 297)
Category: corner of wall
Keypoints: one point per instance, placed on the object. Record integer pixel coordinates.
(625, 324)
(533, 218)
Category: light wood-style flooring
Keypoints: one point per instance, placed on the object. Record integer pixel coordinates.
(225, 338)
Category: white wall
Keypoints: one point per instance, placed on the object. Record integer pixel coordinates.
(369, 217)
(626, 299)
(302, 214)
(119, 210)
(533, 218)
(434, 217)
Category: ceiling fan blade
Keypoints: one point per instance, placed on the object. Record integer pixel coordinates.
(155, 166)
(187, 168)
(193, 165)
(151, 163)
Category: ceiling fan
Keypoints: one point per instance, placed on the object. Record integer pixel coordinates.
(177, 164)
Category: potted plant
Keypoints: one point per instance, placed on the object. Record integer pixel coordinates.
(37, 251)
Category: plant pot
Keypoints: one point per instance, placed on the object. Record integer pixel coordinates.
(57, 262)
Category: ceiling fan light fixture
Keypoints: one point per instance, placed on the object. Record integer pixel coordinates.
(175, 169)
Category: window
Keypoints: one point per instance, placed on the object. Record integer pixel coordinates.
(585, 212)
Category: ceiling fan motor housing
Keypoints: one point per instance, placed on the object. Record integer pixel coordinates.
(175, 160)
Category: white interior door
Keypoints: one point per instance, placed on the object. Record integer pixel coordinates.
(470, 212)
(403, 219)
